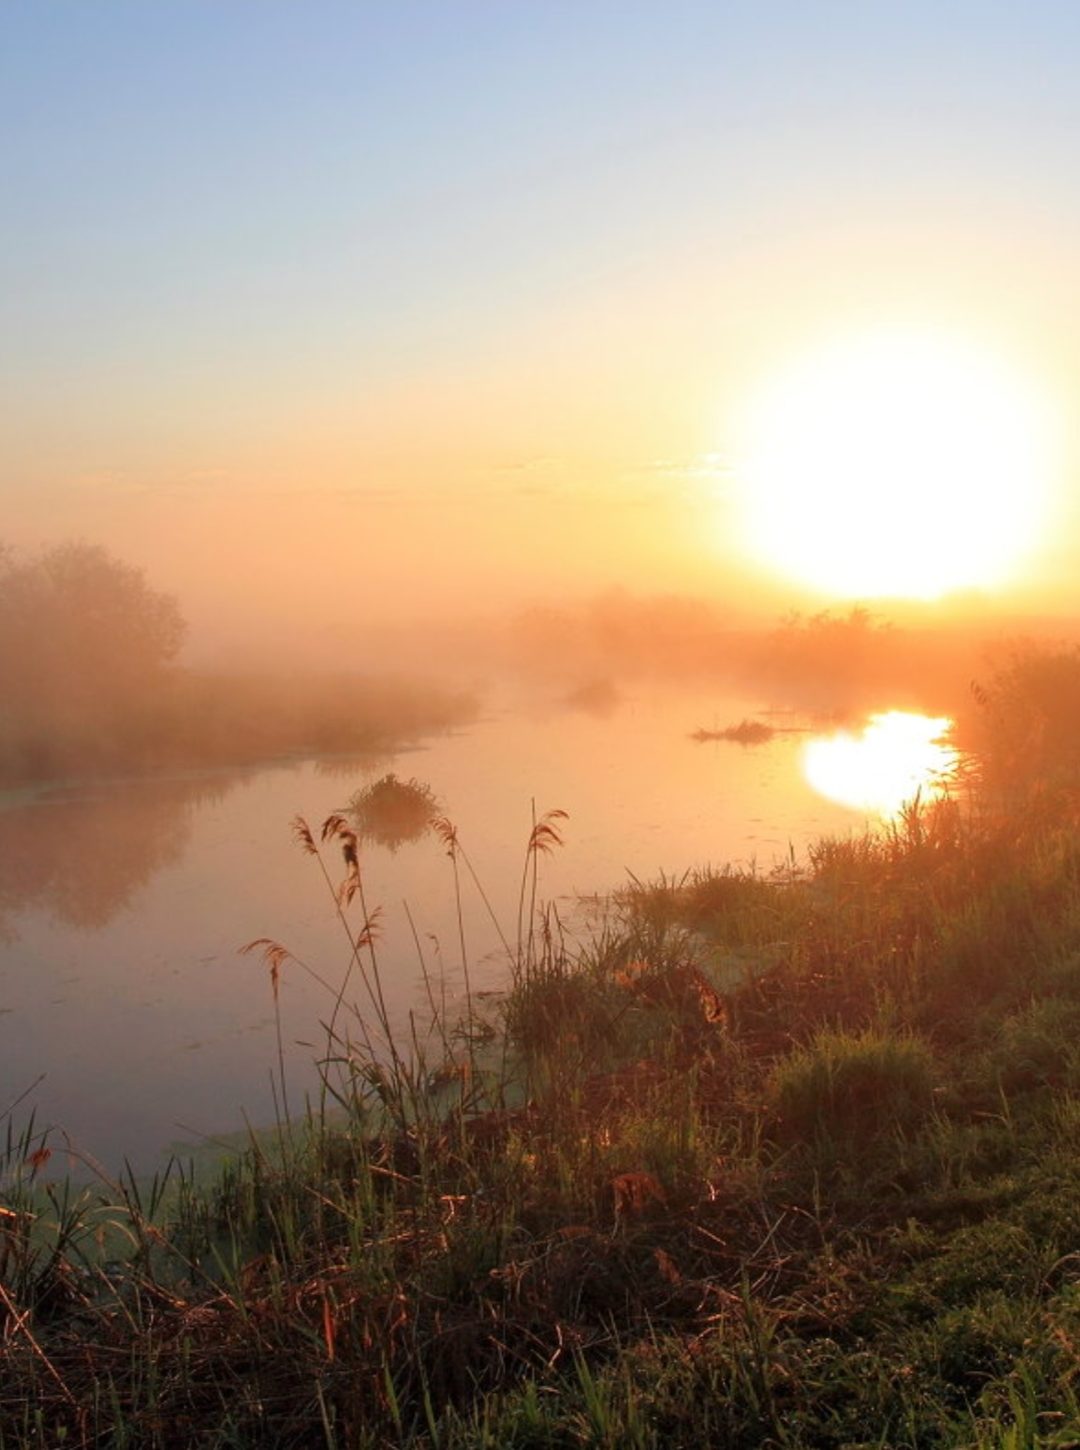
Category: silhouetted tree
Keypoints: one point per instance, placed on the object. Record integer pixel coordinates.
(85, 645)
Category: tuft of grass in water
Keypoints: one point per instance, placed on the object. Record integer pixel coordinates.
(746, 732)
(391, 811)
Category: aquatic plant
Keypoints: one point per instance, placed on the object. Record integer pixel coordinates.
(746, 732)
(389, 811)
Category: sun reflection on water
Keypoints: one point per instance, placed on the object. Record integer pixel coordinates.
(896, 754)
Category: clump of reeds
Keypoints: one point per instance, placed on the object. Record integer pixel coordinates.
(391, 811)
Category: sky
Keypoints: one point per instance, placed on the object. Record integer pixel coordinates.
(336, 312)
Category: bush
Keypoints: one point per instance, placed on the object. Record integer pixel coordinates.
(855, 1085)
(1023, 730)
(76, 620)
(1037, 1046)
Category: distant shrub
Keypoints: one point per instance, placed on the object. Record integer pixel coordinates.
(1023, 728)
(856, 1085)
(75, 620)
(86, 654)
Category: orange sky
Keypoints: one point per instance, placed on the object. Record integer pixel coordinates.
(406, 318)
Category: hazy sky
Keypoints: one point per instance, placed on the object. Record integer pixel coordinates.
(323, 309)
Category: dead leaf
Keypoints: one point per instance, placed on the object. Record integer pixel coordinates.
(635, 1192)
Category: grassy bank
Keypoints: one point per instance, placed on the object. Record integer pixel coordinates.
(192, 720)
(786, 1160)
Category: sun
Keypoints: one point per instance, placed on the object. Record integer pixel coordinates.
(899, 463)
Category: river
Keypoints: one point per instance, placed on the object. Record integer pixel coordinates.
(132, 1024)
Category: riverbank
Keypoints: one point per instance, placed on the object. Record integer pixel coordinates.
(204, 721)
(771, 1160)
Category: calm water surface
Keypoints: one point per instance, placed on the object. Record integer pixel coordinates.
(122, 906)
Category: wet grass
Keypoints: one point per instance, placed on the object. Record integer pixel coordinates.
(767, 1160)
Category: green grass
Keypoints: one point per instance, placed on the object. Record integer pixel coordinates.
(849, 1089)
(769, 1160)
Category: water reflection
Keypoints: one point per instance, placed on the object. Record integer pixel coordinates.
(896, 755)
(599, 697)
(82, 856)
(347, 766)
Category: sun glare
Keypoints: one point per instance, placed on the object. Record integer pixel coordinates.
(897, 755)
(898, 464)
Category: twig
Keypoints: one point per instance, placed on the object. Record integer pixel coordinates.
(19, 1321)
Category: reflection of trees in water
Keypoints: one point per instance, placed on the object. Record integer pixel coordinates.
(83, 856)
(599, 697)
(390, 811)
(363, 764)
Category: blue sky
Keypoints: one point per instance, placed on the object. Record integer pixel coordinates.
(327, 171)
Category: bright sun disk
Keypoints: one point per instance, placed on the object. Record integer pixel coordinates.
(898, 464)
